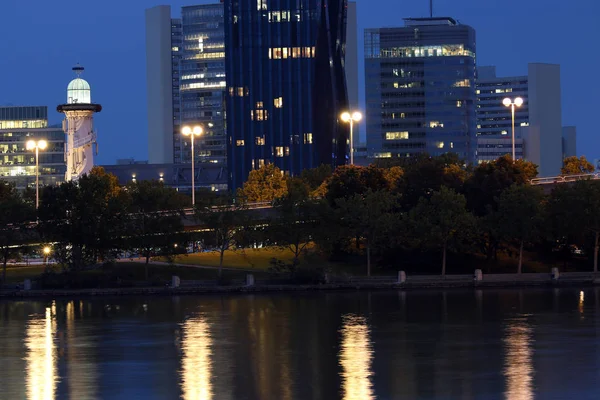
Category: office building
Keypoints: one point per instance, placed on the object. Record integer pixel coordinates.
(185, 63)
(17, 164)
(351, 65)
(420, 89)
(539, 134)
(286, 85)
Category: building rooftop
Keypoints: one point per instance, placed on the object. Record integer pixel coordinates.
(430, 21)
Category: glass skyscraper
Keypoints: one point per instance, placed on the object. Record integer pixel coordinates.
(286, 85)
(420, 89)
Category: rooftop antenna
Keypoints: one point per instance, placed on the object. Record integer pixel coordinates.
(430, 8)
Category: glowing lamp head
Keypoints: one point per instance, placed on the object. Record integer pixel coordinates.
(518, 102)
(356, 116)
(42, 144)
(346, 116)
(507, 102)
(30, 144)
(186, 131)
(197, 130)
(46, 250)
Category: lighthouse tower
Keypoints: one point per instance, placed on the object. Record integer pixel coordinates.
(79, 127)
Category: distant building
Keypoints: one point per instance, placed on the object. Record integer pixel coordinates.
(185, 63)
(286, 85)
(17, 164)
(351, 65)
(420, 89)
(179, 176)
(539, 135)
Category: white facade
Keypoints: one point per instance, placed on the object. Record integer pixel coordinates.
(159, 85)
(538, 123)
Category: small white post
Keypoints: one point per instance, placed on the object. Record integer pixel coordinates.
(175, 281)
(478, 277)
(401, 277)
(555, 274)
(27, 284)
(249, 280)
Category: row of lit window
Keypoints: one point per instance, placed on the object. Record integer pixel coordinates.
(202, 76)
(200, 56)
(278, 53)
(203, 85)
(259, 115)
(239, 91)
(260, 140)
(282, 16)
(39, 123)
(426, 51)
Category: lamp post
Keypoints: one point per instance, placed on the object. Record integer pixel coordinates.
(46, 254)
(195, 131)
(351, 118)
(518, 102)
(37, 146)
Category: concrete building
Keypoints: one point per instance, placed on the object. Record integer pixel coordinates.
(420, 89)
(185, 63)
(539, 135)
(286, 85)
(17, 164)
(351, 65)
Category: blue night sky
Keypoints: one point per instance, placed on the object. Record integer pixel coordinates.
(42, 40)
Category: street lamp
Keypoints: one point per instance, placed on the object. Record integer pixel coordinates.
(46, 254)
(518, 102)
(37, 146)
(195, 131)
(351, 118)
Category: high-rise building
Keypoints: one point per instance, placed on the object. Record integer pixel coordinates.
(420, 89)
(185, 63)
(286, 85)
(17, 164)
(539, 135)
(351, 65)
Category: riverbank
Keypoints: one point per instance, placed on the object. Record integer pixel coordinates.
(379, 283)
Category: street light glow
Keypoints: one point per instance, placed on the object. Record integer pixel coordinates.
(356, 116)
(30, 144)
(46, 250)
(42, 144)
(187, 131)
(507, 102)
(346, 117)
(518, 102)
(197, 130)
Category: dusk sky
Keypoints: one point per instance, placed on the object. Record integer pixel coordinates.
(42, 40)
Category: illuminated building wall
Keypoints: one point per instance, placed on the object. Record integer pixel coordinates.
(286, 85)
(17, 164)
(420, 89)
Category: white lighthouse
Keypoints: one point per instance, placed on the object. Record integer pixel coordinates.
(79, 127)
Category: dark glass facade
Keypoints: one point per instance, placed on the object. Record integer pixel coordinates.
(286, 85)
(420, 89)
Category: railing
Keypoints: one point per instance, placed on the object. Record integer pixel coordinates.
(564, 179)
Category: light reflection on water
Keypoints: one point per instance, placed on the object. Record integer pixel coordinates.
(518, 368)
(355, 358)
(196, 363)
(41, 356)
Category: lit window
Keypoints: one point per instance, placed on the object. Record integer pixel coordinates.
(277, 53)
(287, 150)
(439, 145)
(279, 151)
(296, 52)
(458, 103)
(252, 115)
(313, 52)
(462, 83)
(239, 142)
(241, 91)
(383, 155)
(451, 145)
(478, 91)
(499, 90)
(259, 104)
(231, 91)
(504, 132)
(395, 72)
(402, 115)
(284, 53)
(174, 48)
(260, 140)
(261, 4)
(396, 135)
(524, 123)
(278, 102)
(509, 90)
(435, 124)
(308, 139)
(261, 162)
(396, 85)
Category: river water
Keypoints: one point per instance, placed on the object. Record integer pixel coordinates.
(490, 344)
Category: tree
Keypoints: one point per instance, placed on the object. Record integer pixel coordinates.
(350, 180)
(576, 166)
(575, 212)
(264, 184)
(16, 216)
(297, 220)
(440, 219)
(520, 215)
(155, 219)
(368, 216)
(225, 221)
(87, 219)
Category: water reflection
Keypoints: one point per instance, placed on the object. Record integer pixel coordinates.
(356, 355)
(518, 368)
(196, 363)
(41, 356)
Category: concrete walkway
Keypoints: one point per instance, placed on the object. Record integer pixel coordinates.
(143, 261)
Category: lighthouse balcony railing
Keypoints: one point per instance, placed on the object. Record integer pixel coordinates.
(84, 140)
